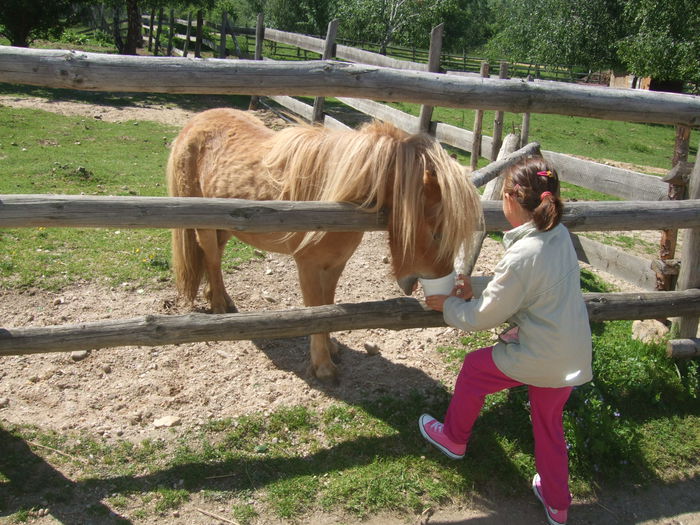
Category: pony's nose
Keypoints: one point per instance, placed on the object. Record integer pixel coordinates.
(407, 284)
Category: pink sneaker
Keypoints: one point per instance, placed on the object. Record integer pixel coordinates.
(554, 516)
(432, 431)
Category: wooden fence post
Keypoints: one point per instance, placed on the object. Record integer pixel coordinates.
(150, 30)
(171, 35)
(188, 32)
(199, 30)
(328, 52)
(492, 192)
(478, 124)
(676, 191)
(222, 35)
(259, 40)
(156, 46)
(525, 128)
(236, 46)
(426, 112)
(498, 120)
(689, 276)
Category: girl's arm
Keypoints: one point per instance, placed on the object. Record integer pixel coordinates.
(502, 298)
(463, 291)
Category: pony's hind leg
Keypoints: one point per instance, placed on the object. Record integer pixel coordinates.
(213, 243)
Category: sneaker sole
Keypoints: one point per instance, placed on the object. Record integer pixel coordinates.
(546, 511)
(437, 445)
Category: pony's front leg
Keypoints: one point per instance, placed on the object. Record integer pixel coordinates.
(318, 288)
(213, 243)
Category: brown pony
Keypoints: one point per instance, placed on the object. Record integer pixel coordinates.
(433, 208)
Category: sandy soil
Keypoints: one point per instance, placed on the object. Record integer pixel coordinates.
(121, 393)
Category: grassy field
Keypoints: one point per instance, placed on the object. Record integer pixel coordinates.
(637, 423)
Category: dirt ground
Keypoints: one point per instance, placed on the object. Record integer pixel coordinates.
(121, 393)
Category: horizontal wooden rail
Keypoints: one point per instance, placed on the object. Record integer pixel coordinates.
(619, 182)
(683, 348)
(393, 314)
(275, 216)
(102, 72)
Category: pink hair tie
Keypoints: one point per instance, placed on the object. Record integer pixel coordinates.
(545, 194)
(545, 173)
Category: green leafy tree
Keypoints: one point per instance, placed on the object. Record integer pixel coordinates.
(409, 22)
(553, 32)
(466, 24)
(300, 16)
(23, 21)
(380, 21)
(663, 39)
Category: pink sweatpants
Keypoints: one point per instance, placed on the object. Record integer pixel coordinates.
(480, 376)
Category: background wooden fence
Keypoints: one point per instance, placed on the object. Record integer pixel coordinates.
(618, 182)
(114, 73)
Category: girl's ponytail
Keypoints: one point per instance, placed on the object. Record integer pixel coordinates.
(536, 188)
(548, 213)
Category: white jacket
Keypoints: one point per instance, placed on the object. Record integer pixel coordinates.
(536, 285)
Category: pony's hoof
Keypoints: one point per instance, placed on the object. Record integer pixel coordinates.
(327, 373)
(228, 309)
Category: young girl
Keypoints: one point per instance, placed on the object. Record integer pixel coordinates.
(536, 287)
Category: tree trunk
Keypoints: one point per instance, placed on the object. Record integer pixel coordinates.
(133, 35)
(117, 34)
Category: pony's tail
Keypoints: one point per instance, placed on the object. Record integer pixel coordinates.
(187, 256)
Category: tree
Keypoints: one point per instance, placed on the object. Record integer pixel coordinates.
(466, 24)
(558, 31)
(133, 33)
(663, 39)
(301, 16)
(380, 21)
(23, 21)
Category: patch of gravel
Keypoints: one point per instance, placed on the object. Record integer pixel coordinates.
(135, 393)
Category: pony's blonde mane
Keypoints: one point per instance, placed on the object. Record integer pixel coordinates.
(375, 166)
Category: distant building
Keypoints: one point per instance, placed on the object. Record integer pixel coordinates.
(622, 79)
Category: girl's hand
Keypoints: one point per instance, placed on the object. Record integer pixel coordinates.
(436, 302)
(463, 290)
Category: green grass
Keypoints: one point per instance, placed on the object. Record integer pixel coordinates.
(637, 423)
(42, 152)
(643, 145)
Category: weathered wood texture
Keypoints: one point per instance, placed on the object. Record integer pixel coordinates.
(101, 72)
(478, 127)
(272, 216)
(492, 192)
(328, 49)
(393, 314)
(622, 183)
(492, 170)
(307, 111)
(426, 112)
(498, 119)
(618, 182)
(689, 276)
(683, 348)
(631, 268)
(352, 54)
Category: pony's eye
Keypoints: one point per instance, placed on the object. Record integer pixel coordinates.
(437, 236)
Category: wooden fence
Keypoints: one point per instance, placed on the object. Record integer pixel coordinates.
(87, 71)
(180, 32)
(622, 183)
